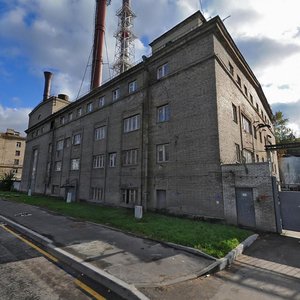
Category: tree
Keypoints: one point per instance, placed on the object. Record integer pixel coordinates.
(283, 133)
(7, 181)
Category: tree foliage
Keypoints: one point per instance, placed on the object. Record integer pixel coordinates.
(7, 181)
(283, 133)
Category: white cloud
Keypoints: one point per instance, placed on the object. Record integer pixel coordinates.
(14, 118)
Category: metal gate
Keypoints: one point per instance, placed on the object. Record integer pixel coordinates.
(290, 210)
(245, 207)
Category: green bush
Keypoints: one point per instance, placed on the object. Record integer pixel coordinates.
(7, 181)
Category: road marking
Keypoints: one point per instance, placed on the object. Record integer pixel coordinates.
(89, 290)
(30, 244)
(54, 259)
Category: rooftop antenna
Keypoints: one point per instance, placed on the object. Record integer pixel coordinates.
(124, 53)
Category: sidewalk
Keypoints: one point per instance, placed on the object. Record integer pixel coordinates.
(133, 260)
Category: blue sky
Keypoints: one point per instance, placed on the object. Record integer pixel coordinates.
(56, 35)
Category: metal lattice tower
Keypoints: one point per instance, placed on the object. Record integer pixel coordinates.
(124, 53)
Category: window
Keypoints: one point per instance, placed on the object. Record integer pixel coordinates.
(129, 196)
(79, 112)
(18, 153)
(101, 101)
(239, 80)
(132, 123)
(100, 133)
(89, 107)
(248, 156)
(42, 130)
(112, 159)
(77, 139)
(257, 109)
(231, 70)
(58, 166)
(257, 158)
(246, 91)
(60, 145)
(70, 116)
(254, 132)
(132, 87)
(251, 98)
(130, 157)
(97, 193)
(234, 114)
(50, 148)
(16, 162)
(98, 161)
(162, 71)
(75, 162)
(162, 152)
(15, 171)
(246, 125)
(62, 120)
(238, 152)
(18, 145)
(163, 113)
(116, 94)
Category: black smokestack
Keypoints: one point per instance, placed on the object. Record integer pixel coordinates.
(48, 76)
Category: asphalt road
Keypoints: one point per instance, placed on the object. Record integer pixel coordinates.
(27, 274)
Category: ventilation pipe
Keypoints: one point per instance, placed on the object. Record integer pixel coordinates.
(96, 76)
(48, 76)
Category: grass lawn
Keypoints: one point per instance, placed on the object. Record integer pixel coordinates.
(214, 239)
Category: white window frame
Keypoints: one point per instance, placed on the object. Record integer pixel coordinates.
(132, 86)
(58, 166)
(70, 116)
(130, 157)
(77, 139)
(112, 160)
(131, 124)
(162, 153)
(129, 196)
(62, 120)
(89, 107)
(100, 133)
(163, 113)
(99, 161)
(75, 164)
(162, 71)
(116, 94)
(97, 194)
(101, 101)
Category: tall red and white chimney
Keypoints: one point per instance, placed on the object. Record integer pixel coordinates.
(96, 76)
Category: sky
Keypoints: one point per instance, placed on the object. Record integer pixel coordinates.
(57, 35)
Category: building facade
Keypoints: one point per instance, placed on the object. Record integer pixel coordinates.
(12, 150)
(158, 134)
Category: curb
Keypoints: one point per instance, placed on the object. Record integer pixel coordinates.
(232, 255)
(123, 289)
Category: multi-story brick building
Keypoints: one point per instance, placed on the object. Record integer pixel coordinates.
(158, 134)
(12, 149)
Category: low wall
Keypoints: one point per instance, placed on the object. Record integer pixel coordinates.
(257, 177)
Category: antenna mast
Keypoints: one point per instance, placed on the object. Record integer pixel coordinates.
(124, 53)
